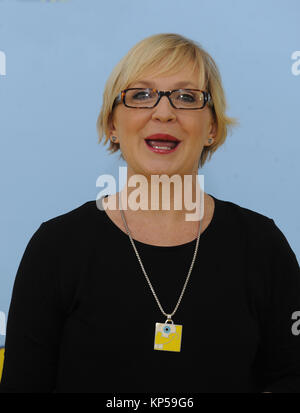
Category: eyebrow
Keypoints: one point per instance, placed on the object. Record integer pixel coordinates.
(176, 85)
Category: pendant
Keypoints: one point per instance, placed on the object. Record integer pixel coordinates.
(167, 336)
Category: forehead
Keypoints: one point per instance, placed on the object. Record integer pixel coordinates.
(185, 78)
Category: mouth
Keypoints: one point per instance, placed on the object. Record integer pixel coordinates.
(162, 143)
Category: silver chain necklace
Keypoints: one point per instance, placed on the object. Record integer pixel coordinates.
(168, 335)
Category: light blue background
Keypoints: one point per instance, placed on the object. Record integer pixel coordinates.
(58, 58)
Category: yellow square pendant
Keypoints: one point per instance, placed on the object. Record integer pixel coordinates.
(167, 337)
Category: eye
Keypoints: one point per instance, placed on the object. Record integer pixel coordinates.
(167, 329)
(186, 97)
(142, 94)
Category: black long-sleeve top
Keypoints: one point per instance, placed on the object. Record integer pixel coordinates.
(82, 315)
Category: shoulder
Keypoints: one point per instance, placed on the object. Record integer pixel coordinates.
(74, 224)
(259, 230)
(76, 216)
(244, 218)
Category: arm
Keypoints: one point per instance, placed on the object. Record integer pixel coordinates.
(34, 320)
(280, 353)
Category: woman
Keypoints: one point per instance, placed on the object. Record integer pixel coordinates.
(113, 298)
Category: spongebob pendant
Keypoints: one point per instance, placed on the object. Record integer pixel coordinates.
(167, 336)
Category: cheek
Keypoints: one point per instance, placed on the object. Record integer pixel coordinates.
(203, 127)
(131, 123)
(195, 123)
(197, 128)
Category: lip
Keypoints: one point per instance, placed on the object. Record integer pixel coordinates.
(162, 136)
(165, 137)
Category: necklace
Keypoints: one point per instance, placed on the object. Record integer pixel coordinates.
(168, 336)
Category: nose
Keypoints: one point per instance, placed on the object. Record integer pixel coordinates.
(163, 111)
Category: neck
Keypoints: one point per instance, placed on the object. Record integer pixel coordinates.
(163, 198)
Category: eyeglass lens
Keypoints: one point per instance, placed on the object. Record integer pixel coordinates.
(182, 98)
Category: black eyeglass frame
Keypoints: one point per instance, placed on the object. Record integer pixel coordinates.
(121, 97)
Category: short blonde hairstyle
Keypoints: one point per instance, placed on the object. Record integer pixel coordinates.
(164, 54)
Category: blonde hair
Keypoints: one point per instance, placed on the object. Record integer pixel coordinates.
(163, 54)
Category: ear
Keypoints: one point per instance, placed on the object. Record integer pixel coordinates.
(213, 129)
(111, 127)
(212, 133)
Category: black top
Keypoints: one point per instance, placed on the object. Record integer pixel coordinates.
(82, 316)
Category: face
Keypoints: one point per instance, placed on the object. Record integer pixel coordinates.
(192, 128)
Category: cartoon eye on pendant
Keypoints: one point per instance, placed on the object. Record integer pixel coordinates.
(167, 337)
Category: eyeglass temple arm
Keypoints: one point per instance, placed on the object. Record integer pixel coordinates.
(118, 99)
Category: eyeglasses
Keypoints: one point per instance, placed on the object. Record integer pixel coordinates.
(141, 98)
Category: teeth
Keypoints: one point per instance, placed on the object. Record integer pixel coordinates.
(161, 147)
